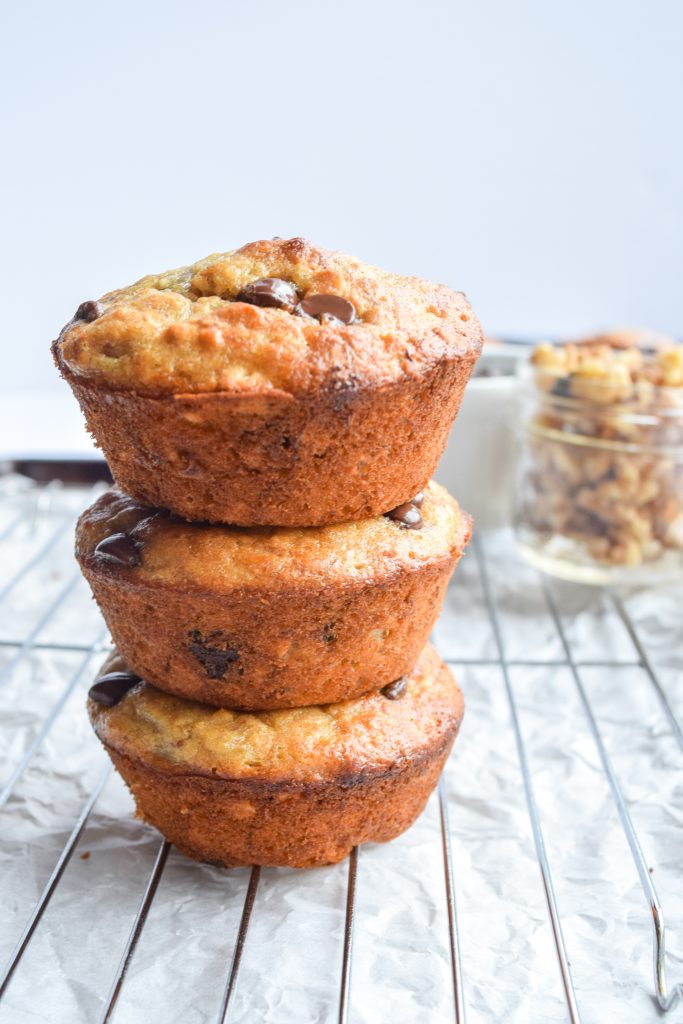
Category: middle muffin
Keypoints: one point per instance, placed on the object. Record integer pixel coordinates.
(269, 617)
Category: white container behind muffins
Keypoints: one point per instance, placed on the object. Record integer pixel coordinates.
(479, 461)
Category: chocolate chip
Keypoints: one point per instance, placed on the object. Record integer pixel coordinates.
(329, 635)
(396, 689)
(418, 499)
(327, 309)
(89, 311)
(213, 652)
(407, 515)
(562, 388)
(120, 549)
(109, 689)
(271, 292)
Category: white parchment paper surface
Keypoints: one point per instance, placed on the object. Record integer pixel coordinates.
(401, 963)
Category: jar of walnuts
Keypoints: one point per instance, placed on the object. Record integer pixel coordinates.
(600, 487)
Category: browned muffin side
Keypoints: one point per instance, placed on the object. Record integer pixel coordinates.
(220, 408)
(266, 618)
(295, 788)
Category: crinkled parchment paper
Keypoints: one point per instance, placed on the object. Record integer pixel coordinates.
(401, 964)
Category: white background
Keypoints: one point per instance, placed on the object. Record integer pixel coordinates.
(528, 153)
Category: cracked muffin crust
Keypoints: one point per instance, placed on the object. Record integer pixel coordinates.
(280, 384)
(299, 787)
(270, 618)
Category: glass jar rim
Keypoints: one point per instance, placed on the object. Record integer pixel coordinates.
(595, 442)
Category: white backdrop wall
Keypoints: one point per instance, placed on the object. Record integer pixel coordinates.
(529, 153)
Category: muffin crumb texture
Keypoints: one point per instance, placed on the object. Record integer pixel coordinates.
(276, 385)
(369, 734)
(270, 618)
(214, 326)
(220, 558)
(298, 788)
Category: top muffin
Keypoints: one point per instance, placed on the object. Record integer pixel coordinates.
(278, 385)
(218, 326)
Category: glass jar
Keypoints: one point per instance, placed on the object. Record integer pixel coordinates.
(600, 478)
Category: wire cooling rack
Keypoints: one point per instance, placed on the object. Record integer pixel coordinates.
(556, 828)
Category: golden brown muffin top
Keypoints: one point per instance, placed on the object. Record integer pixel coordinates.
(155, 548)
(310, 744)
(185, 331)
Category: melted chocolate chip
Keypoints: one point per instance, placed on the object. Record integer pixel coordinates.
(407, 515)
(89, 311)
(120, 549)
(141, 528)
(271, 292)
(109, 689)
(213, 652)
(327, 309)
(396, 689)
(418, 499)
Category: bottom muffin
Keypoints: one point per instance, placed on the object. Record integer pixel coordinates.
(299, 787)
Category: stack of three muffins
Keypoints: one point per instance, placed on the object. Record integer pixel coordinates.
(290, 708)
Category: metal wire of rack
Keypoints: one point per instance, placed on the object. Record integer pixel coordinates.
(38, 506)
